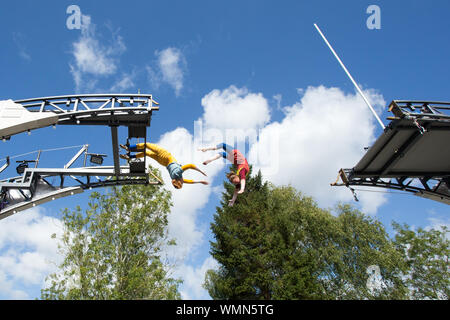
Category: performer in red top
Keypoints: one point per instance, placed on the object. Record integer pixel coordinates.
(237, 158)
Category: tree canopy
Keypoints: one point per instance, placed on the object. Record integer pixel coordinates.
(425, 253)
(276, 243)
(113, 249)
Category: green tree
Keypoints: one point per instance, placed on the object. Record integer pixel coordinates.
(426, 255)
(113, 249)
(356, 244)
(241, 246)
(275, 243)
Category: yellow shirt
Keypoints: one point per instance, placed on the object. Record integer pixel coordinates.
(162, 156)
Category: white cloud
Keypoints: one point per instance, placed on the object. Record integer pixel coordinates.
(7, 290)
(92, 58)
(124, 83)
(27, 252)
(170, 68)
(325, 131)
(194, 279)
(20, 40)
(235, 108)
(437, 222)
(278, 97)
(171, 62)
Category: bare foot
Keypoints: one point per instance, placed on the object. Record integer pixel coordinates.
(124, 156)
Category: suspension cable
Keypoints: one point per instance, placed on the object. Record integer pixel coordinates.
(42, 150)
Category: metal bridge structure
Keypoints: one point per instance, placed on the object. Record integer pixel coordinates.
(411, 155)
(33, 185)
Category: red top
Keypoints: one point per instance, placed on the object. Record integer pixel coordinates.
(241, 163)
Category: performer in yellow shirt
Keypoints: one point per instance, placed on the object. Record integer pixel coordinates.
(164, 158)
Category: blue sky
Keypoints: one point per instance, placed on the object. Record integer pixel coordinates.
(212, 61)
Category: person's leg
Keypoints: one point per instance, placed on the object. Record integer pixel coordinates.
(226, 154)
(219, 146)
(137, 147)
(219, 155)
(226, 147)
(134, 148)
(134, 156)
(153, 147)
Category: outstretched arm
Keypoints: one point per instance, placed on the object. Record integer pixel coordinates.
(241, 190)
(227, 148)
(193, 182)
(193, 167)
(233, 199)
(208, 148)
(228, 151)
(217, 156)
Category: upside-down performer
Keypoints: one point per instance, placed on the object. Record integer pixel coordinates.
(237, 158)
(164, 158)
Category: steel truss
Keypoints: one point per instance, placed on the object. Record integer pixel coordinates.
(412, 155)
(96, 109)
(39, 185)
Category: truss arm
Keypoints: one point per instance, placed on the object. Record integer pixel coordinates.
(90, 109)
(33, 187)
(412, 154)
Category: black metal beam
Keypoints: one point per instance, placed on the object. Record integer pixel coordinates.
(115, 147)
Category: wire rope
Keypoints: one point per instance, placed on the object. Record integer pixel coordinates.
(43, 150)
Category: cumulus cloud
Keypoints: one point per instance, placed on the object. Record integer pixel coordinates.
(27, 252)
(232, 115)
(170, 69)
(171, 62)
(325, 131)
(235, 108)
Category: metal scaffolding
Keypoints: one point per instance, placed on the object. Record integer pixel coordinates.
(412, 154)
(33, 185)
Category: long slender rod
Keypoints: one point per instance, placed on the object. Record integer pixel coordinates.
(350, 76)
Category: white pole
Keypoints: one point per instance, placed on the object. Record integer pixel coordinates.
(350, 76)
